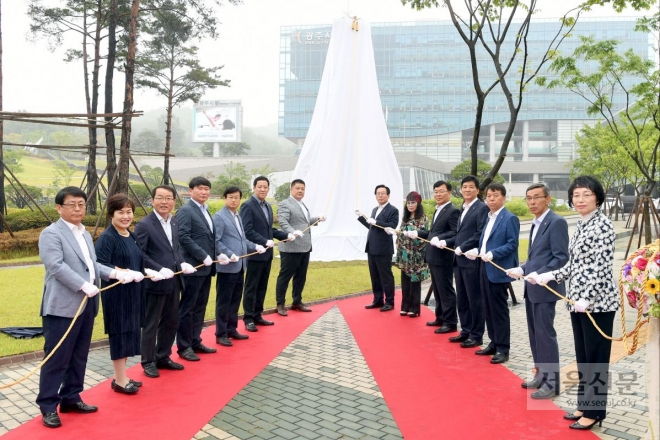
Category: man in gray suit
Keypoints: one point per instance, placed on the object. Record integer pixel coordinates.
(294, 217)
(230, 244)
(67, 251)
(548, 250)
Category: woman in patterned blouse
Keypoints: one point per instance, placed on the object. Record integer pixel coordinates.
(591, 286)
(410, 256)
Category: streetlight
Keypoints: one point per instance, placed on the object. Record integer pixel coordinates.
(509, 177)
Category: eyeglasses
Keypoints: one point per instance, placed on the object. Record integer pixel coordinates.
(74, 205)
(441, 192)
(582, 196)
(535, 198)
(167, 199)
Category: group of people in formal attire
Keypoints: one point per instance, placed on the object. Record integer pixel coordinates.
(179, 254)
(471, 255)
(461, 250)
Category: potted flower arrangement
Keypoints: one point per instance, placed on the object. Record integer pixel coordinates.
(640, 279)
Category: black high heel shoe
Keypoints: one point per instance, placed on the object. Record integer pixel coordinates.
(573, 417)
(577, 425)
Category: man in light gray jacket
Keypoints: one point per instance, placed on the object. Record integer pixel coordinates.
(67, 251)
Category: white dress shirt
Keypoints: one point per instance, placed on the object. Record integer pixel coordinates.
(303, 207)
(438, 208)
(380, 209)
(167, 225)
(467, 206)
(492, 216)
(78, 231)
(537, 222)
(205, 213)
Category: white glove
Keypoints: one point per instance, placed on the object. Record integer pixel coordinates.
(156, 276)
(233, 258)
(322, 218)
(137, 276)
(472, 254)
(410, 234)
(298, 233)
(291, 237)
(223, 259)
(488, 256)
(207, 261)
(259, 248)
(390, 231)
(125, 276)
(358, 212)
(458, 251)
(270, 243)
(543, 279)
(371, 221)
(442, 244)
(166, 273)
(188, 268)
(90, 289)
(581, 305)
(515, 272)
(435, 242)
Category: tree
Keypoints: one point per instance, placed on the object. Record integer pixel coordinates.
(169, 64)
(148, 141)
(153, 176)
(635, 123)
(465, 169)
(19, 200)
(283, 191)
(223, 182)
(234, 148)
(64, 172)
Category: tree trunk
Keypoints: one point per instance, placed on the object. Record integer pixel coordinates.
(3, 201)
(168, 127)
(91, 176)
(125, 148)
(109, 73)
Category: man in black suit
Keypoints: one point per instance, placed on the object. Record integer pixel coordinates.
(158, 237)
(257, 216)
(443, 227)
(466, 272)
(197, 243)
(548, 251)
(380, 249)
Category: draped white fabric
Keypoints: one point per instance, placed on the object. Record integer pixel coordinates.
(653, 378)
(347, 151)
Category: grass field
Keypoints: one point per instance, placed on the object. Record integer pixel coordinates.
(41, 172)
(21, 290)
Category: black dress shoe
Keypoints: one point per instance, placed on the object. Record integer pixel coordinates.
(135, 382)
(262, 321)
(374, 306)
(436, 323)
(446, 329)
(130, 388)
(459, 338)
(201, 348)
(189, 355)
(386, 308)
(488, 351)
(281, 310)
(534, 383)
(571, 416)
(168, 364)
(577, 425)
(78, 407)
(51, 420)
(251, 327)
(543, 393)
(150, 370)
(300, 307)
(470, 343)
(224, 341)
(236, 335)
(499, 358)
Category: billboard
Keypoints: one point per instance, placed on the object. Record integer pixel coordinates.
(217, 121)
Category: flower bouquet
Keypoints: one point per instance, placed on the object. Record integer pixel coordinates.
(640, 279)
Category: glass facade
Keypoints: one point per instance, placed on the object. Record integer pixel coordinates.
(425, 81)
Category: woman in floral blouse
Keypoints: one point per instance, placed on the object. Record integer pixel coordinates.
(591, 286)
(410, 256)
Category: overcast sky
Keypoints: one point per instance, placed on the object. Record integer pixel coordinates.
(37, 80)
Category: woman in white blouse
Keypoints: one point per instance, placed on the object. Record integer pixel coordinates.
(591, 286)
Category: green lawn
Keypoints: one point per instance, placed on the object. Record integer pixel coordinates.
(21, 290)
(41, 172)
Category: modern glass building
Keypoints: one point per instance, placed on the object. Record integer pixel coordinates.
(425, 81)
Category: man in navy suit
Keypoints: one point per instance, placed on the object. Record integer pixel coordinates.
(158, 237)
(197, 246)
(257, 216)
(443, 228)
(380, 249)
(230, 244)
(548, 251)
(499, 244)
(466, 272)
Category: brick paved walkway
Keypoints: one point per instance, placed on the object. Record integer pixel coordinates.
(321, 387)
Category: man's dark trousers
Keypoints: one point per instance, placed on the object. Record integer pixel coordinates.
(469, 301)
(229, 291)
(76, 348)
(160, 324)
(256, 285)
(382, 279)
(192, 309)
(496, 311)
(294, 264)
(442, 278)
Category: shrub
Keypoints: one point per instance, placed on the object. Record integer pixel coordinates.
(24, 219)
(517, 207)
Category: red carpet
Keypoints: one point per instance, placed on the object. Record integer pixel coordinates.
(435, 389)
(179, 403)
